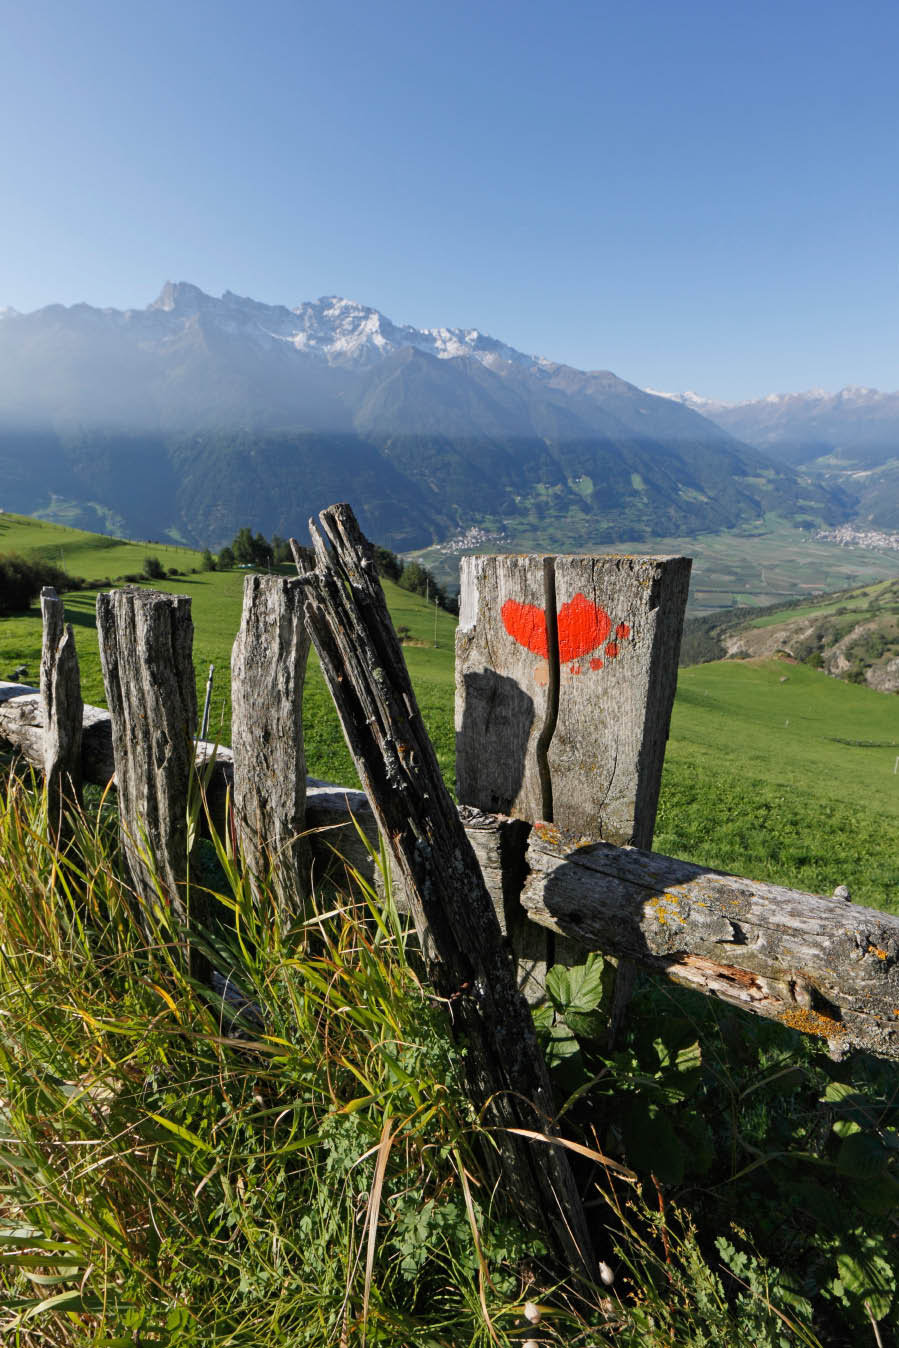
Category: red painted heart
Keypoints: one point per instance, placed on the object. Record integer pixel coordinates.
(582, 627)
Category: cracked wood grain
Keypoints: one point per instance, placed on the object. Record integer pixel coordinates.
(268, 670)
(146, 644)
(62, 710)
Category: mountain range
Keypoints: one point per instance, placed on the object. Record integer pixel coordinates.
(197, 415)
(848, 440)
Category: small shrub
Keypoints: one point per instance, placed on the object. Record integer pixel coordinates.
(153, 568)
(21, 581)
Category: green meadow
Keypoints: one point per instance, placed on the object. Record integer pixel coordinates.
(773, 770)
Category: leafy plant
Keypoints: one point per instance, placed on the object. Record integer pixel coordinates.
(801, 1151)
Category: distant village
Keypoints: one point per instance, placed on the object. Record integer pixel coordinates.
(849, 536)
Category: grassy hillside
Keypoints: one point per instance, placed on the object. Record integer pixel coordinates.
(853, 634)
(779, 773)
(93, 556)
(216, 606)
(772, 770)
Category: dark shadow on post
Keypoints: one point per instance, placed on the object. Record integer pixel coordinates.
(497, 712)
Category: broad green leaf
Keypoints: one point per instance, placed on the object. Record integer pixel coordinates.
(878, 1196)
(587, 1025)
(562, 1044)
(846, 1127)
(868, 1278)
(675, 1055)
(861, 1156)
(577, 988)
(836, 1092)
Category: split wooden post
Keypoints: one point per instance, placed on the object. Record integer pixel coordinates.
(466, 959)
(618, 622)
(62, 710)
(146, 643)
(268, 670)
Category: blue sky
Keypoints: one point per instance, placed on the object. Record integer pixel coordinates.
(693, 195)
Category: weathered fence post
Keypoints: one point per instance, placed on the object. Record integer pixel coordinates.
(146, 641)
(62, 710)
(466, 958)
(268, 670)
(589, 726)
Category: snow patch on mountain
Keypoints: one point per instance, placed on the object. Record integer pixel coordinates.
(853, 395)
(340, 331)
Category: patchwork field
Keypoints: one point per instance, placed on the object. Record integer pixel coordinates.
(759, 563)
(773, 770)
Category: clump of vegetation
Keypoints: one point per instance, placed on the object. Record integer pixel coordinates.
(154, 569)
(772, 1144)
(289, 1157)
(21, 581)
(415, 578)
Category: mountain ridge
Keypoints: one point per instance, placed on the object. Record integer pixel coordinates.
(196, 415)
(848, 440)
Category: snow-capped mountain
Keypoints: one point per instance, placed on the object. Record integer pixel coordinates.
(338, 330)
(200, 414)
(857, 425)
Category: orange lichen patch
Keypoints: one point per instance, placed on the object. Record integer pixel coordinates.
(548, 833)
(663, 913)
(876, 950)
(812, 1022)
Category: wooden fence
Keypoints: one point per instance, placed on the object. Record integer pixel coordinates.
(565, 678)
(820, 964)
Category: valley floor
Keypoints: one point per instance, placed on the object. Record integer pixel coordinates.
(757, 564)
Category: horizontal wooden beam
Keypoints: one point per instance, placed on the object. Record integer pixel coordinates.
(821, 965)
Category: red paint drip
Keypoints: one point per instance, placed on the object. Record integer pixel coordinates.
(612, 649)
(596, 663)
(622, 631)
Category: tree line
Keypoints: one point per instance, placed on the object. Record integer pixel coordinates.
(247, 549)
